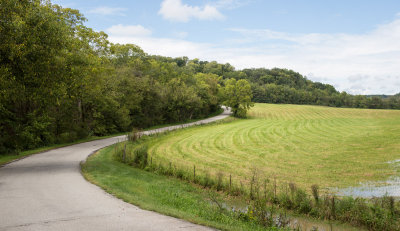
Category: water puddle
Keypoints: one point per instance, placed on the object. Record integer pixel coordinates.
(311, 225)
(389, 187)
(300, 223)
(375, 189)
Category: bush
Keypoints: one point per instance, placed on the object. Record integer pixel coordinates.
(140, 156)
(134, 135)
(67, 137)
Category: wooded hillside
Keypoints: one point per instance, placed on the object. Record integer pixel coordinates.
(61, 81)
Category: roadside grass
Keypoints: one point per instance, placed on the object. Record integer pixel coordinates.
(330, 147)
(7, 158)
(163, 194)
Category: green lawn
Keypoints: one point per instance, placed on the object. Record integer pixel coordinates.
(331, 147)
(158, 193)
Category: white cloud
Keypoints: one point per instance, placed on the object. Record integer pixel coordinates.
(357, 63)
(180, 34)
(164, 46)
(175, 10)
(104, 10)
(336, 57)
(128, 31)
(230, 4)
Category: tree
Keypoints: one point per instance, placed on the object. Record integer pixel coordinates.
(207, 87)
(35, 37)
(237, 95)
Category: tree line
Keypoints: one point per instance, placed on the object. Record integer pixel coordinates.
(285, 86)
(289, 87)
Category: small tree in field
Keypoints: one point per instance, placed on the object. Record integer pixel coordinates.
(237, 95)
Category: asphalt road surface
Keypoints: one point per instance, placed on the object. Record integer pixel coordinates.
(46, 191)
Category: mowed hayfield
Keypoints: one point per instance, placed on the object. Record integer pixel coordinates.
(306, 145)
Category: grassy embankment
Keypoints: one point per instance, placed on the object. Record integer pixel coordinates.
(163, 194)
(6, 158)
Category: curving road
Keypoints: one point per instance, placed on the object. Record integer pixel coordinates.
(46, 191)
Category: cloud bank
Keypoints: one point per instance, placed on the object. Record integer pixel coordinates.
(133, 31)
(104, 10)
(175, 10)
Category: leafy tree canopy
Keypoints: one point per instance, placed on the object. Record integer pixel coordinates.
(237, 95)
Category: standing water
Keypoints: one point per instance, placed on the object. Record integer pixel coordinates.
(390, 187)
(305, 224)
(301, 223)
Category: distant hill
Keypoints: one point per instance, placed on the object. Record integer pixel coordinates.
(379, 96)
(286, 86)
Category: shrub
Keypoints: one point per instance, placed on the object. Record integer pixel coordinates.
(134, 135)
(315, 192)
(67, 137)
(220, 176)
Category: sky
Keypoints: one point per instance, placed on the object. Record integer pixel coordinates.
(353, 45)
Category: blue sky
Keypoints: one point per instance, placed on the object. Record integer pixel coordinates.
(351, 44)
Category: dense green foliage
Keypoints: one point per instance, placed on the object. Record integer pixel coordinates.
(61, 81)
(237, 95)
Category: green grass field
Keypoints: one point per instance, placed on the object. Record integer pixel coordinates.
(331, 147)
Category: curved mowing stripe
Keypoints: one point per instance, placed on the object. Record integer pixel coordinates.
(332, 147)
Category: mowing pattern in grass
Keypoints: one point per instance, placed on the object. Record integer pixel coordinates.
(332, 147)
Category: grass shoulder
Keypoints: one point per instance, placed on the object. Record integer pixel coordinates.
(163, 194)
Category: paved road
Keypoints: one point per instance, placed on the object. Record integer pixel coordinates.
(47, 192)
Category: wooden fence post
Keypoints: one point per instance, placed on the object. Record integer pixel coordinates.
(124, 156)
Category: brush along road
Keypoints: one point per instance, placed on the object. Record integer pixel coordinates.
(47, 192)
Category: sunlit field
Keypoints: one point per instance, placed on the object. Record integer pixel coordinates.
(331, 147)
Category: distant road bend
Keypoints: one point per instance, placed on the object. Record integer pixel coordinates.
(46, 191)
